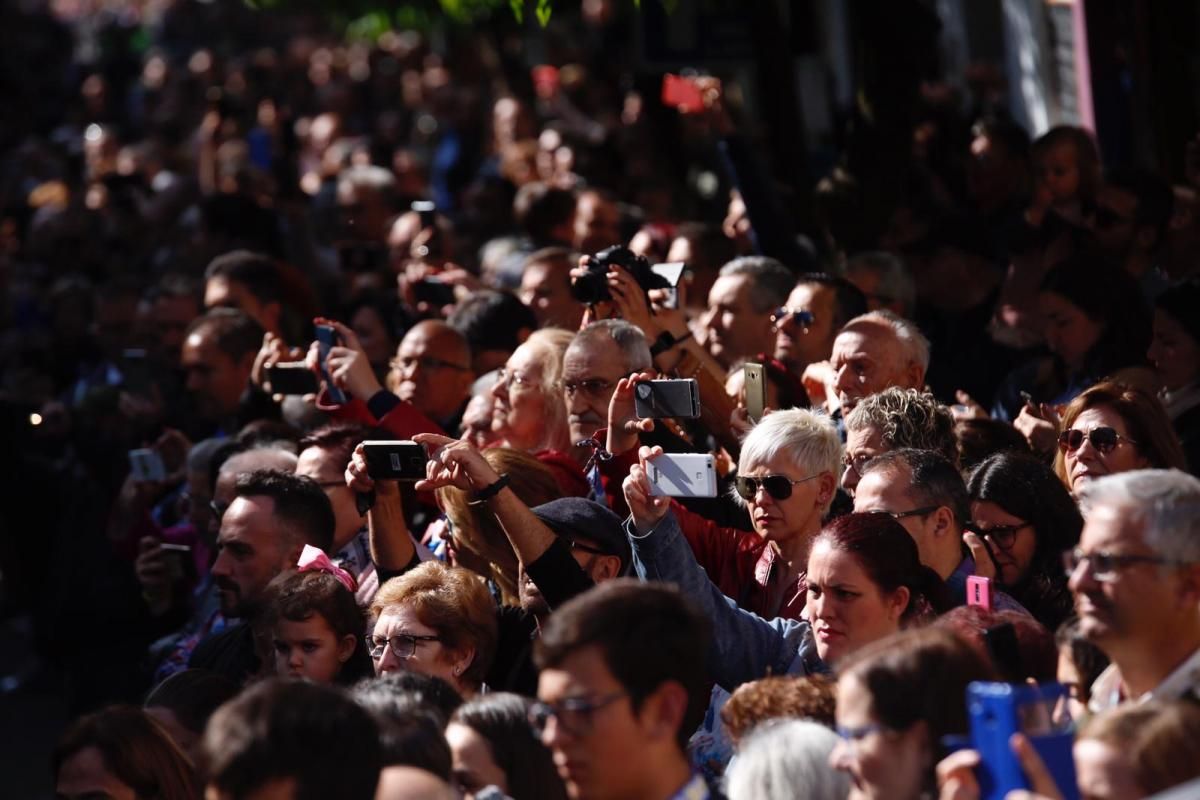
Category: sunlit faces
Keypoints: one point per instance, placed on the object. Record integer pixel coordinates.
(519, 413)
(1070, 333)
(1139, 595)
(310, 649)
(733, 329)
(883, 764)
(591, 368)
(428, 657)
(866, 359)
(1086, 463)
(588, 746)
(215, 379)
(846, 608)
(799, 346)
(434, 370)
(251, 553)
(783, 520)
(887, 490)
(474, 764)
(1013, 560)
(862, 444)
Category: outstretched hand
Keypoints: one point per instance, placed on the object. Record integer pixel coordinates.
(454, 462)
(645, 508)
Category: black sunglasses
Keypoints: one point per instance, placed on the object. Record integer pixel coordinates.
(1105, 439)
(782, 314)
(778, 486)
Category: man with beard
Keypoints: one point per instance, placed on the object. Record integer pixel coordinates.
(274, 515)
(1136, 581)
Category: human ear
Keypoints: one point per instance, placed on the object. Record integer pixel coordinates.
(898, 603)
(662, 712)
(827, 486)
(345, 647)
(605, 568)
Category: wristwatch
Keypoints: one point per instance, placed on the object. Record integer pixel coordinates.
(488, 492)
(665, 342)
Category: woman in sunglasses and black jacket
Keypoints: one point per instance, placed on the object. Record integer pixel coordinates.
(1111, 428)
(1028, 520)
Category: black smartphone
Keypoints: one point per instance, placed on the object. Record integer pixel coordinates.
(292, 378)
(395, 460)
(427, 210)
(677, 398)
(756, 390)
(327, 339)
(434, 292)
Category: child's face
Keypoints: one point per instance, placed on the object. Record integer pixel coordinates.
(310, 649)
(1058, 174)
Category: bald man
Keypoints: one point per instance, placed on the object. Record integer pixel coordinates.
(433, 371)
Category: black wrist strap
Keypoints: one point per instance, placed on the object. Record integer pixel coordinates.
(488, 492)
(665, 342)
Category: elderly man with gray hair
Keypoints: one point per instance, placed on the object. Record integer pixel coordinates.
(872, 352)
(737, 324)
(1136, 580)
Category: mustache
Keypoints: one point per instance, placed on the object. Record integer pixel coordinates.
(225, 583)
(595, 419)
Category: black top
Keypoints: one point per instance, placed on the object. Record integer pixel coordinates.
(230, 653)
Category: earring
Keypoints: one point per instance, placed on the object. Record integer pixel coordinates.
(457, 671)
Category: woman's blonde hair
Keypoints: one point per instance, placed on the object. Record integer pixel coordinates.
(476, 528)
(549, 346)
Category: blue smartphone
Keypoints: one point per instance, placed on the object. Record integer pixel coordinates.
(327, 338)
(998, 710)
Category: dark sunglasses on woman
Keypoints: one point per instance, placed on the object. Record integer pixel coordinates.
(778, 486)
(1104, 439)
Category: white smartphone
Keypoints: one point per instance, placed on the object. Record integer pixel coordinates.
(147, 465)
(683, 475)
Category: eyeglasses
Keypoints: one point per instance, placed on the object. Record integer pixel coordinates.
(1005, 536)
(1104, 439)
(424, 362)
(858, 462)
(778, 487)
(574, 714)
(588, 548)
(592, 387)
(899, 515)
(783, 315)
(1105, 566)
(404, 645)
(505, 376)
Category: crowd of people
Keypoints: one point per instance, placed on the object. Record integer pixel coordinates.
(955, 447)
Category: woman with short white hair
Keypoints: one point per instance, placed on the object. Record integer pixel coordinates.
(783, 759)
(787, 476)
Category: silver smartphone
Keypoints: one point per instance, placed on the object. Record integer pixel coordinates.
(677, 398)
(683, 475)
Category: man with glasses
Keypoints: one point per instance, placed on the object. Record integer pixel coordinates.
(893, 419)
(622, 685)
(807, 324)
(1136, 581)
(925, 493)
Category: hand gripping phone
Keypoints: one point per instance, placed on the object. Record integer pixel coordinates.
(997, 711)
(394, 460)
(327, 339)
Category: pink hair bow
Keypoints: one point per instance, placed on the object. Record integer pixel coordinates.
(314, 559)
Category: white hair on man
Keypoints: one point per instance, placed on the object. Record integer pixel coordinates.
(915, 345)
(807, 439)
(1166, 502)
(782, 759)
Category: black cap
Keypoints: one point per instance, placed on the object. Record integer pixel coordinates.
(574, 518)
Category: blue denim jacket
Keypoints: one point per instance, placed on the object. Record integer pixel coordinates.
(745, 647)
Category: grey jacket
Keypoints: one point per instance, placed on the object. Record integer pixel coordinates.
(745, 647)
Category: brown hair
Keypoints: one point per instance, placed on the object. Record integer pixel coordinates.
(452, 601)
(1036, 655)
(1087, 157)
(919, 675)
(135, 749)
(807, 697)
(1161, 741)
(297, 596)
(475, 528)
(1145, 419)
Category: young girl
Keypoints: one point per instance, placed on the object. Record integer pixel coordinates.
(313, 626)
(1066, 170)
